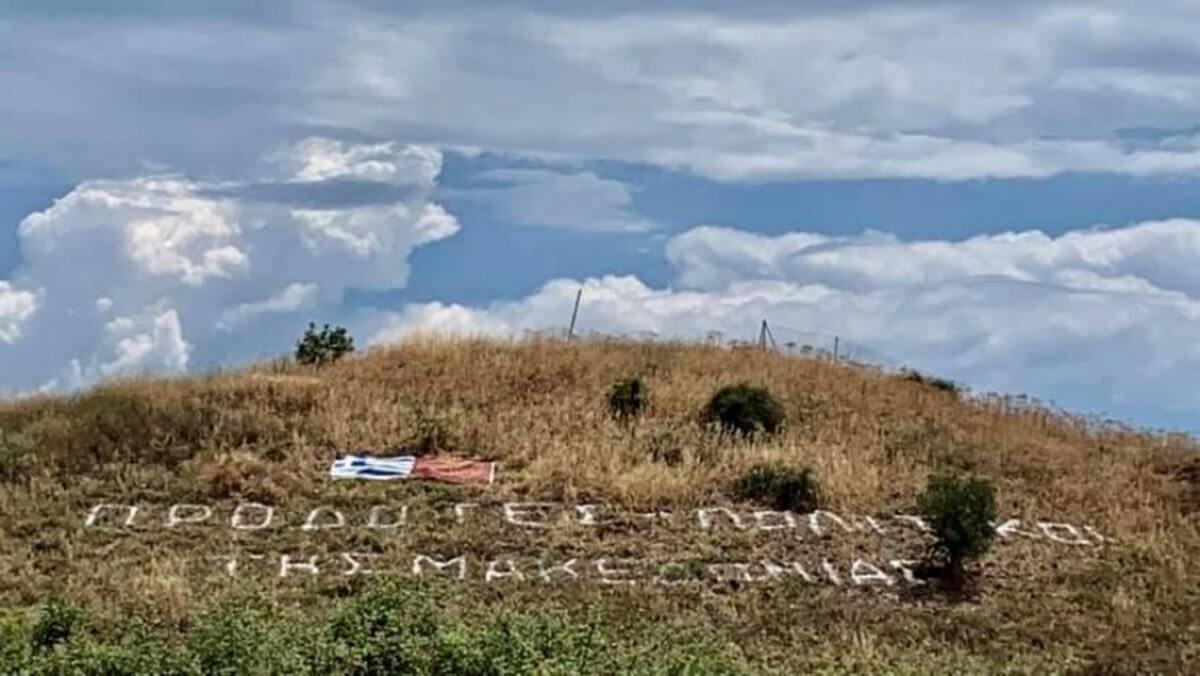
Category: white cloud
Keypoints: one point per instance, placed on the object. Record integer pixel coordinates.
(293, 297)
(154, 344)
(574, 200)
(144, 274)
(16, 306)
(1101, 319)
(733, 91)
(320, 159)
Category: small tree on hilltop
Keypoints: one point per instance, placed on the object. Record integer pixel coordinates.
(627, 399)
(744, 409)
(961, 513)
(321, 347)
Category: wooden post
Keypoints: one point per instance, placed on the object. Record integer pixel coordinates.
(574, 314)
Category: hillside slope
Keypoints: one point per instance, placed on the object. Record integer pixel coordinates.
(193, 524)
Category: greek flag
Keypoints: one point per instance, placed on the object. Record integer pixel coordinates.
(363, 467)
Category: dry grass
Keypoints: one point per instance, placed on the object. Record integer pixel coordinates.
(268, 434)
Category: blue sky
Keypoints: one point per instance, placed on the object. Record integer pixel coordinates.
(1006, 195)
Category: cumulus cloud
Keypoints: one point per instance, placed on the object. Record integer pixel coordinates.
(558, 199)
(1098, 319)
(144, 274)
(293, 297)
(733, 91)
(16, 306)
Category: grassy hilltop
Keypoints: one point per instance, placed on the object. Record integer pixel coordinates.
(654, 594)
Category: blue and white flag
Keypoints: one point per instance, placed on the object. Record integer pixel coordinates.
(442, 468)
(364, 467)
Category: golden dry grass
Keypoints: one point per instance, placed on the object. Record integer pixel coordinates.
(268, 434)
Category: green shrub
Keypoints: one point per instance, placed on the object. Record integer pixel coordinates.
(627, 399)
(56, 623)
(940, 384)
(15, 458)
(779, 486)
(744, 409)
(961, 513)
(15, 649)
(386, 629)
(387, 626)
(325, 346)
(397, 628)
(135, 654)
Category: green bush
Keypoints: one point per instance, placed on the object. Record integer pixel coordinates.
(56, 623)
(15, 648)
(779, 486)
(627, 399)
(388, 627)
(16, 458)
(940, 384)
(744, 409)
(325, 346)
(961, 513)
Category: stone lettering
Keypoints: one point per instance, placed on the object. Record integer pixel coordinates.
(313, 522)
(377, 518)
(179, 514)
(131, 512)
(238, 520)
(528, 514)
(286, 565)
(420, 562)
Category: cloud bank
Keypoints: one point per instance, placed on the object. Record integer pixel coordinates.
(1098, 320)
(147, 274)
(733, 91)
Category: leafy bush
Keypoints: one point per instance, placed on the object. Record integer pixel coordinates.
(780, 486)
(14, 644)
(961, 513)
(941, 384)
(744, 409)
(325, 346)
(57, 622)
(389, 627)
(627, 399)
(395, 627)
(242, 639)
(15, 458)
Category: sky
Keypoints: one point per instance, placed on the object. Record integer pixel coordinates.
(1004, 194)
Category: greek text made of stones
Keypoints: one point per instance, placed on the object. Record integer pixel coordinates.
(250, 517)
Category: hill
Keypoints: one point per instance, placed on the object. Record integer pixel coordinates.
(189, 525)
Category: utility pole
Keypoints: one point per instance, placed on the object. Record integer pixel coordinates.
(765, 336)
(835, 348)
(574, 314)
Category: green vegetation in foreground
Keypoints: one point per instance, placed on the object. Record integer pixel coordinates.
(391, 627)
